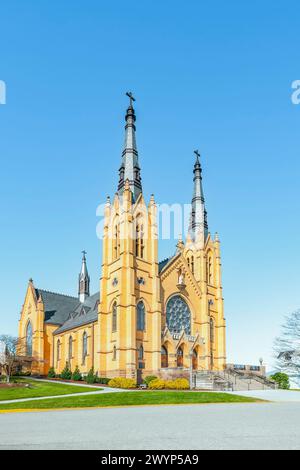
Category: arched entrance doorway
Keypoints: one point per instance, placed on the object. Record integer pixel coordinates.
(179, 356)
(195, 359)
(164, 357)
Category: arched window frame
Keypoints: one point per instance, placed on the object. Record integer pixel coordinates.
(141, 316)
(116, 238)
(29, 334)
(114, 325)
(210, 270)
(114, 353)
(139, 237)
(70, 352)
(58, 350)
(141, 353)
(84, 346)
(212, 329)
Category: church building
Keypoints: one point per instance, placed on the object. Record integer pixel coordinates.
(149, 317)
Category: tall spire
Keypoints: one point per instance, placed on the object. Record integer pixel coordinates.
(198, 222)
(130, 163)
(84, 280)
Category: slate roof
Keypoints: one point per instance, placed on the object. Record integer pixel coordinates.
(57, 306)
(164, 263)
(83, 314)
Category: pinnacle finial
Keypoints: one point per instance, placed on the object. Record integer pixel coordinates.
(84, 253)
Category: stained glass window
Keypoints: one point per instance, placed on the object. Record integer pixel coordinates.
(84, 347)
(178, 315)
(29, 340)
(140, 316)
(114, 318)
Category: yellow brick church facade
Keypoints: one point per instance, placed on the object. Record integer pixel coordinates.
(149, 317)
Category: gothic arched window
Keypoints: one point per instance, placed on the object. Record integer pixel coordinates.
(70, 348)
(212, 330)
(114, 353)
(29, 339)
(141, 353)
(140, 316)
(84, 346)
(178, 315)
(139, 238)
(116, 240)
(114, 317)
(164, 357)
(210, 273)
(58, 350)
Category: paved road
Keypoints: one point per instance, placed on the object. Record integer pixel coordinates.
(224, 426)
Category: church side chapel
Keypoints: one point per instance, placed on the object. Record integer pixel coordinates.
(150, 317)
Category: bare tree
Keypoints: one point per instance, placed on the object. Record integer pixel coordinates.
(287, 346)
(11, 355)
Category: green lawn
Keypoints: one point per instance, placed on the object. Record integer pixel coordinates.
(41, 389)
(131, 399)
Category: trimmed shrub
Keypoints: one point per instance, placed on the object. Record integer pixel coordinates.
(102, 380)
(51, 373)
(121, 382)
(91, 378)
(149, 379)
(76, 374)
(157, 384)
(66, 373)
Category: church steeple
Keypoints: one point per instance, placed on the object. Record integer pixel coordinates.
(130, 163)
(198, 222)
(84, 280)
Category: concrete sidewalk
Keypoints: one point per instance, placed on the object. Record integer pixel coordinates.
(101, 391)
(279, 396)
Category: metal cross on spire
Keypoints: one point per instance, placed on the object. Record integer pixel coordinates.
(84, 252)
(196, 152)
(130, 96)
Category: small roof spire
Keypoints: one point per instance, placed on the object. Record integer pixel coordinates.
(130, 168)
(198, 219)
(84, 280)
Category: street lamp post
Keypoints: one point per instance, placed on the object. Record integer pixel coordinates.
(191, 370)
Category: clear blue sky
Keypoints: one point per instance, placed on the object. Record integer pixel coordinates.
(213, 75)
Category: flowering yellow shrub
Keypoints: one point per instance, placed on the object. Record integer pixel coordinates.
(177, 384)
(169, 384)
(181, 384)
(121, 382)
(157, 384)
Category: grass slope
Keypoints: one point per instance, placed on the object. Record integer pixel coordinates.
(130, 399)
(41, 389)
